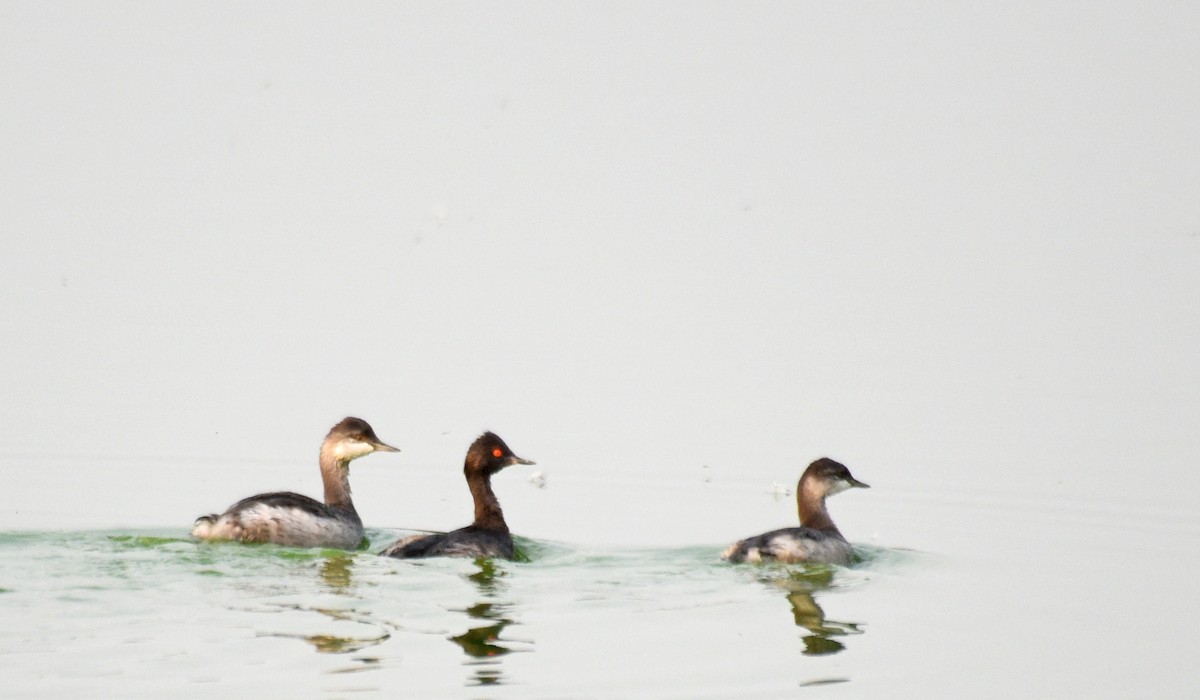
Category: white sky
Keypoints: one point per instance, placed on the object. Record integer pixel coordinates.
(941, 242)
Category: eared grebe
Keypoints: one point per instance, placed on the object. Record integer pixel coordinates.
(817, 539)
(488, 535)
(291, 519)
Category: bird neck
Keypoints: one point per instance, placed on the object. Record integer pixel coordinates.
(335, 472)
(488, 515)
(810, 501)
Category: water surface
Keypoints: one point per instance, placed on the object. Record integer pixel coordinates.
(152, 611)
(136, 613)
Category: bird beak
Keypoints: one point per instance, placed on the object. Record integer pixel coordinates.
(520, 460)
(857, 484)
(384, 447)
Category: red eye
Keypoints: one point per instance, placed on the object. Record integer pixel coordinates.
(497, 452)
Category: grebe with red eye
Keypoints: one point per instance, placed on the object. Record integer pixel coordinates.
(817, 539)
(299, 521)
(488, 536)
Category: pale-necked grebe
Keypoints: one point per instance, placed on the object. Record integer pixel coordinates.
(488, 535)
(299, 521)
(817, 539)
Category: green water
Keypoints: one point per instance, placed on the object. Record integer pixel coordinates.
(148, 613)
(961, 595)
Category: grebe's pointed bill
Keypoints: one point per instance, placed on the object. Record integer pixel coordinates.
(521, 460)
(381, 446)
(856, 483)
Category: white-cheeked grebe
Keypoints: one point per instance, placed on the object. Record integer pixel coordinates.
(817, 539)
(299, 521)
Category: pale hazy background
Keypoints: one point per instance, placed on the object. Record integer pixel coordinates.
(671, 246)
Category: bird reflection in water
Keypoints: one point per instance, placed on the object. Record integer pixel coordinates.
(335, 575)
(483, 643)
(800, 585)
